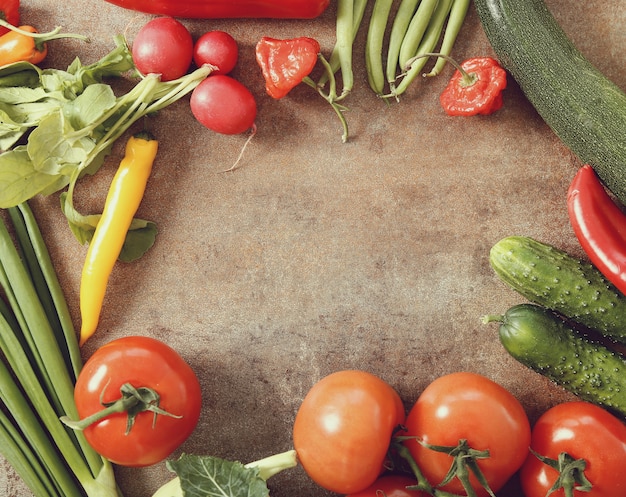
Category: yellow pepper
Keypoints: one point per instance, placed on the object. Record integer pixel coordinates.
(123, 199)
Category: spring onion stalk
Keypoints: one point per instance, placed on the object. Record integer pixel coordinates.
(24, 461)
(47, 283)
(37, 383)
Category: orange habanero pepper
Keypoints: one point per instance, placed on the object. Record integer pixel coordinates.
(27, 44)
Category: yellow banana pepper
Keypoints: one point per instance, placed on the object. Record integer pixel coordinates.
(123, 199)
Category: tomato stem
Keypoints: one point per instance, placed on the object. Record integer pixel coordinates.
(463, 464)
(571, 473)
(133, 401)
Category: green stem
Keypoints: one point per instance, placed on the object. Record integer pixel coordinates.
(41, 38)
(22, 411)
(24, 461)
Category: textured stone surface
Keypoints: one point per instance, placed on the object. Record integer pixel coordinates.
(317, 256)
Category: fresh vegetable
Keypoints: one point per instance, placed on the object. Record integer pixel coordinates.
(374, 45)
(25, 43)
(541, 340)
(285, 63)
(48, 106)
(475, 88)
(211, 9)
(9, 12)
(390, 486)
(218, 49)
(584, 108)
(599, 225)
(344, 427)
(207, 475)
(467, 434)
(41, 359)
(577, 447)
(224, 105)
(417, 29)
(125, 194)
(163, 46)
(137, 401)
(554, 279)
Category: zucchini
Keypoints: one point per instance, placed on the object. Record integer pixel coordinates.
(552, 278)
(585, 109)
(542, 341)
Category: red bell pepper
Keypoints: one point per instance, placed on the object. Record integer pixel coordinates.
(216, 9)
(9, 12)
(475, 88)
(285, 63)
(599, 224)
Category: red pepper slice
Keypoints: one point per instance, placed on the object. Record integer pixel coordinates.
(216, 9)
(475, 88)
(285, 63)
(9, 12)
(599, 224)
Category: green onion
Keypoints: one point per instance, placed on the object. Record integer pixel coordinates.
(37, 379)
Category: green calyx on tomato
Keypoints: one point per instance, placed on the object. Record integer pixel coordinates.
(571, 473)
(132, 402)
(463, 463)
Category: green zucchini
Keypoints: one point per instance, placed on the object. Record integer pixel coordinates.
(585, 109)
(542, 341)
(552, 278)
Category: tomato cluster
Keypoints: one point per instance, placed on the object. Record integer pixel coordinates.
(465, 434)
(220, 102)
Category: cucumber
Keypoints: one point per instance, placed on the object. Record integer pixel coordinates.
(542, 341)
(552, 278)
(585, 109)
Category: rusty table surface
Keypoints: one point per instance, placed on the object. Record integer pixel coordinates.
(315, 255)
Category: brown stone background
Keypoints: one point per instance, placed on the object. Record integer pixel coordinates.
(317, 256)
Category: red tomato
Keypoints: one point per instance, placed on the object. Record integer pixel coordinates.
(390, 486)
(474, 408)
(142, 362)
(343, 429)
(217, 48)
(163, 46)
(9, 12)
(584, 431)
(223, 105)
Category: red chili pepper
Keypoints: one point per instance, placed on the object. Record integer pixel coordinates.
(9, 12)
(285, 63)
(215, 9)
(599, 224)
(475, 88)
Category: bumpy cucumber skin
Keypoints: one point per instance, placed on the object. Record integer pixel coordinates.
(552, 278)
(584, 108)
(542, 341)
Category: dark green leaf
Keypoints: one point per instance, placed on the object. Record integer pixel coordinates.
(206, 476)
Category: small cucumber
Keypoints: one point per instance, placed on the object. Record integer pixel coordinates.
(552, 278)
(542, 341)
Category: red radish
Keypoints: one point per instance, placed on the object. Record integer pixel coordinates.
(217, 48)
(224, 105)
(163, 46)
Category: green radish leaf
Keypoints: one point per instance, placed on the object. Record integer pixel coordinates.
(19, 181)
(139, 239)
(207, 476)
